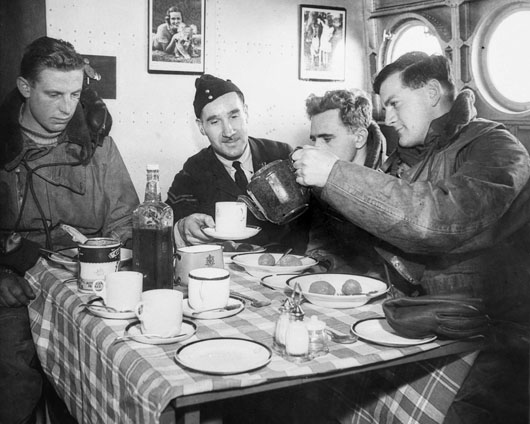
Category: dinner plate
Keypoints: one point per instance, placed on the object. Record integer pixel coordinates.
(377, 330)
(223, 355)
(134, 331)
(250, 231)
(276, 281)
(188, 310)
(72, 265)
(102, 313)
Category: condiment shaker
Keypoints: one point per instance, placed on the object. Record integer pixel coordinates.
(297, 337)
(280, 331)
(318, 345)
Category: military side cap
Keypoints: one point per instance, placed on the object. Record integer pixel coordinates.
(208, 88)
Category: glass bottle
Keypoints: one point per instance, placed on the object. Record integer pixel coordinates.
(318, 344)
(153, 236)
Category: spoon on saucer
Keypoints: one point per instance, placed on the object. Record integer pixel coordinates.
(226, 308)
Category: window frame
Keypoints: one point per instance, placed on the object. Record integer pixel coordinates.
(479, 60)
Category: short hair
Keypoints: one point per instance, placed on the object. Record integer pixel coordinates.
(355, 107)
(171, 10)
(47, 52)
(416, 69)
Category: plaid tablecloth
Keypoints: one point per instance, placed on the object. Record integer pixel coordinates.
(130, 382)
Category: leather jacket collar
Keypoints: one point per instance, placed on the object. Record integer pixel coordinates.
(12, 146)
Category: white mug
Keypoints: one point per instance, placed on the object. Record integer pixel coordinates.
(230, 217)
(160, 312)
(208, 288)
(120, 290)
(198, 256)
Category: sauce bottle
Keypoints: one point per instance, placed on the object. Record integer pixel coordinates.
(153, 236)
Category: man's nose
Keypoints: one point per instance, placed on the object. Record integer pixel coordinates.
(319, 142)
(67, 105)
(228, 130)
(390, 117)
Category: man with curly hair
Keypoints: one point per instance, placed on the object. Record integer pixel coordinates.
(342, 123)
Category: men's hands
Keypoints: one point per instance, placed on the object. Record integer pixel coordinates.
(190, 228)
(14, 290)
(313, 165)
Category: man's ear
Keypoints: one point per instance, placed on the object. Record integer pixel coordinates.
(361, 137)
(199, 124)
(435, 91)
(24, 87)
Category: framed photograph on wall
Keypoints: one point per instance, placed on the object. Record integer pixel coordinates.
(322, 43)
(176, 36)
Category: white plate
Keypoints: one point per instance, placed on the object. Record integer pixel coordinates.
(188, 310)
(227, 254)
(72, 266)
(377, 330)
(250, 231)
(135, 332)
(339, 301)
(249, 261)
(102, 313)
(276, 281)
(223, 356)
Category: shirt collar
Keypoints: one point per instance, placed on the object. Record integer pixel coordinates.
(245, 159)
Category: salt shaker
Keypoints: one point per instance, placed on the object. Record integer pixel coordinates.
(297, 337)
(280, 330)
(318, 345)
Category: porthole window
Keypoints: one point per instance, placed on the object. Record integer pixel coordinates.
(412, 36)
(500, 65)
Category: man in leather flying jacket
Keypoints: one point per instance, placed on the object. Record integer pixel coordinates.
(57, 165)
(456, 220)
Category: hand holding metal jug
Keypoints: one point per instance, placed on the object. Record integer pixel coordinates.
(275, 195)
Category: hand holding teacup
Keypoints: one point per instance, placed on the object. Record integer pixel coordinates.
(190, 228)
(313, 165)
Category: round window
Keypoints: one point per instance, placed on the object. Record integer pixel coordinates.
(500, 65)
(412, 36)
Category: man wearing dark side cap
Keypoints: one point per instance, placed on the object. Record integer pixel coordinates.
(221, 171)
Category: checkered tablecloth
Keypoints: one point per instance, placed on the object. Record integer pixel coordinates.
(129, 382)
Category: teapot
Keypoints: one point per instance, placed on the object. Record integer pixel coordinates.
(275, 195)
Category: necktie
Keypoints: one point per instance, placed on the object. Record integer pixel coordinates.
(240, 177)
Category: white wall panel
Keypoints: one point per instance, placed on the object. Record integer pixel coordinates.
(252, 42)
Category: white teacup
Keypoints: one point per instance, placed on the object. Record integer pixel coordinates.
(160, 312)
(230, 217)
(120, 290)
(208, 288)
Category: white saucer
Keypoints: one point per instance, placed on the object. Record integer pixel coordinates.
(135, 332)
(377, 330)
(187, 310)
(100, 312)
(250, 231)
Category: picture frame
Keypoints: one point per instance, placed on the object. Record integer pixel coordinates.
(176, 36)
(322, 43)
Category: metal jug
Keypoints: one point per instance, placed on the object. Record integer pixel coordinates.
(275, 195)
